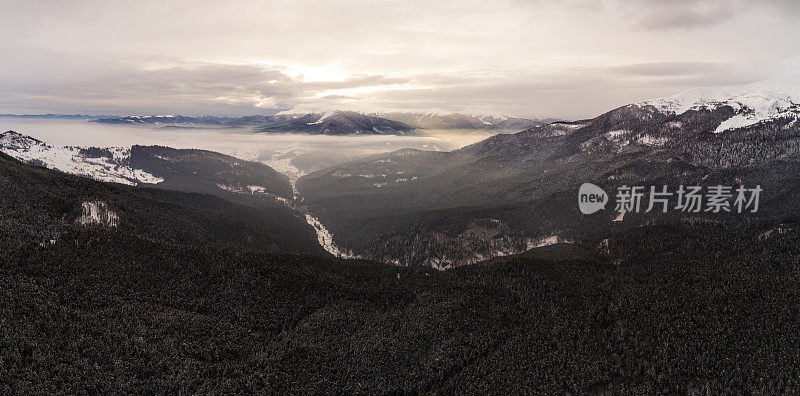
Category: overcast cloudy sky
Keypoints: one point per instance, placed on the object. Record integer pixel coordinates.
(538, 58)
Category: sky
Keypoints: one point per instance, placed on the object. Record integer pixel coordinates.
(567, 59)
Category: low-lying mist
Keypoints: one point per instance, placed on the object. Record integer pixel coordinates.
(292, 154)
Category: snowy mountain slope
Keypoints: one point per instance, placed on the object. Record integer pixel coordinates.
(211, 172)
(39, 206)
(244, 182)
(108, 164)
(173, 169)
(752, 103)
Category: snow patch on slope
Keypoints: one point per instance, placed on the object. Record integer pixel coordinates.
(322, 118)
(72, 160)
(97, 212)
(649, 140)
(551, 240)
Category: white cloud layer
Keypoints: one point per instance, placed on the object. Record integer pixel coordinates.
(541, 58)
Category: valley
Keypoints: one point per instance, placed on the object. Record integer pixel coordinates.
(204, 171)
(184, 286)
(499, 196)
(510, 191)
(309, 270)
(308, 197)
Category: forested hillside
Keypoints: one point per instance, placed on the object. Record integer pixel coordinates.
(144, 307)
(38, 205)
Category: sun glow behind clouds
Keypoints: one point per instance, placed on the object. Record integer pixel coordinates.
(326, 73)
(354, 93)
(538, 58)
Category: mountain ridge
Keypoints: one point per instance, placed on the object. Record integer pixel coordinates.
(190, 170)
(512, 191)
(752, 103)
(42, 205)
(341, 122)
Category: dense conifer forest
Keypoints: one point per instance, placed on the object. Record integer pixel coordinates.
(157, 305)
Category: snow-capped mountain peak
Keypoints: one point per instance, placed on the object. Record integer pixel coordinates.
(488, 114)
(752, 103)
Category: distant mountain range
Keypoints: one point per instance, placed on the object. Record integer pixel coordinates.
(508, 193)
(51, 116)
(339, 122)
(334, 122)
(460, 121)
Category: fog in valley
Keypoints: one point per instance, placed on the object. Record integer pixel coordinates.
(291, 154)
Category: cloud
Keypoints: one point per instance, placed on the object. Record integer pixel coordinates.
(104, 85)
(666, 15)
(339, 97)
(96, 84)
(683, 14)
(671, 69)
(545, 58)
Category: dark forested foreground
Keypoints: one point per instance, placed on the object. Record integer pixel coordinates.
(156, 305)
(104, 311)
